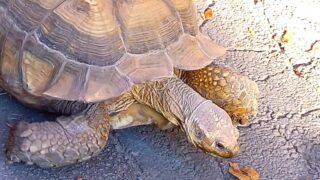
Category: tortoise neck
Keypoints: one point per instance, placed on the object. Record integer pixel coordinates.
(175, 100)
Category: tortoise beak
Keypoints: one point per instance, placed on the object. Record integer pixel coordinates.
(229, 153)
(236, 150)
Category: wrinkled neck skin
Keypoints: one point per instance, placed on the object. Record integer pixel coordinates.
(206, 125)
(175, 100)
(191, 121)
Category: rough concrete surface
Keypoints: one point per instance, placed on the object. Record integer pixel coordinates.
(283, 140)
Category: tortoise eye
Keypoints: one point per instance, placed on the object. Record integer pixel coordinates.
(220, 146)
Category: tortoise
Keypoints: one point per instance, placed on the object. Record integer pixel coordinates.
(112, 64)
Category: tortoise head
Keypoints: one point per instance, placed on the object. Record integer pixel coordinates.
(210, 128)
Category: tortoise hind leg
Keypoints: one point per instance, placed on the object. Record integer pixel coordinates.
(66, 141)
(236, 94)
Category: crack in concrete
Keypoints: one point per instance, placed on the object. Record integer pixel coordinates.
(267, 18)
(246, 50)
(273, 118)
(129, 156)
(303, 64)
(296, 149)
(270, 76)
(259, 122)
(311, 111)
(286, 115)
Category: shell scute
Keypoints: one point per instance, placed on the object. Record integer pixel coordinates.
(94, 50)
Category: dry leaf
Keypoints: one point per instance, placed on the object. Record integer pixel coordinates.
(251, 32)
(297, 72)
(208, 14)
(251, 172)
(235, 166)
(286, 37)
(246, 173)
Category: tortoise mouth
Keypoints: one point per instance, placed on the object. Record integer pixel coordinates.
(226, 153)
(223, 154)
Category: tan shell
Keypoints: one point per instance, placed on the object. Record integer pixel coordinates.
(93, 50)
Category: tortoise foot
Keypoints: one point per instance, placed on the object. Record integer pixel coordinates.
(36, 143)
(54, 144)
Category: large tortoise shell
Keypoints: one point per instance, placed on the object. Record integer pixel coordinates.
(93, 50)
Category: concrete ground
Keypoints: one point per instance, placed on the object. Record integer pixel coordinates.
(283, 140)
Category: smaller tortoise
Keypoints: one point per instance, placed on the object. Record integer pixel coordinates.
(108, 63)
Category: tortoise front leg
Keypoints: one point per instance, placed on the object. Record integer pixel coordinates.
(66, 141)
(126, 112)
(236, 94)
(137, 114)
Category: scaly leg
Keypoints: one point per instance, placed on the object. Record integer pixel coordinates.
(126, 112)
(236, 94)
(138, 114)
(66, 141)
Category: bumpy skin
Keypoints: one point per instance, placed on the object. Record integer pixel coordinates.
(236, 94)
(81, 136)
(137, 114)
(68, 140)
